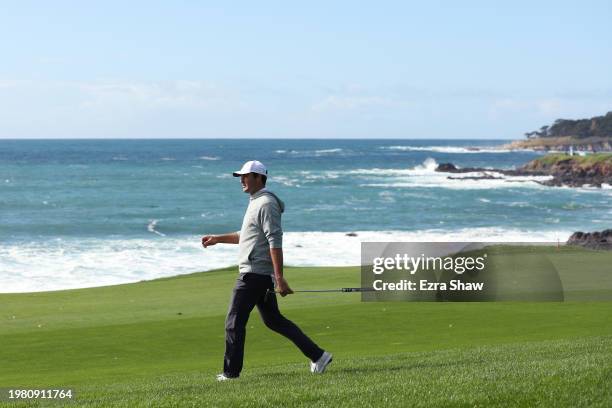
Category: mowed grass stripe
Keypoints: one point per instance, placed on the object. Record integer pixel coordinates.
(198, 294)
(573, 372)
(60, 356)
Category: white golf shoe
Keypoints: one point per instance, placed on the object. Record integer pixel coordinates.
(319, 366)
(223, 377)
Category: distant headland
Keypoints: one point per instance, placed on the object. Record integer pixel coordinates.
(589, 135)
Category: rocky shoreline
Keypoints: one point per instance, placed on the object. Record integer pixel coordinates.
(571, 171)
(592, 240)
(574, 171)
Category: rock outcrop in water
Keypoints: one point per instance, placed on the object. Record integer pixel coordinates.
(592, 240)
(451, 168)
(572, 171)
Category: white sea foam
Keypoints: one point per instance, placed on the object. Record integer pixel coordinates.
(427, 167)
(287, 181)
(151, 228)
(386, 196)
(323, 151)
(424, 175)
(455, 149)
(521, 204)
(315, 153)
(209, 158)
(87, 262)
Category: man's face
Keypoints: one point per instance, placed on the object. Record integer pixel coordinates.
(250, 183)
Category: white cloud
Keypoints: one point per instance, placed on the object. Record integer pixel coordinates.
(120, 108)
(137, 94)
(159, 94)
(12, 83)
(349, 103)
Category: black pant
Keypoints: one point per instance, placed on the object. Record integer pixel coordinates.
(250, 291)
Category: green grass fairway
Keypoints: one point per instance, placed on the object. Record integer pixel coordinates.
(160, 343)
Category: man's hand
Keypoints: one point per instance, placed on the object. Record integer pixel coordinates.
(231, 238)
(208, 240)
(282, 287)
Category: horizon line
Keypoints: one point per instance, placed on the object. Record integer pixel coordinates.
(248, 138)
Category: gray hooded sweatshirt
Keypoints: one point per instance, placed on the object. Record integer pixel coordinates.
(261, 230)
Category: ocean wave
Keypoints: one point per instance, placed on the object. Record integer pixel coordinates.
(456, 149)
(386, 196)
(427, 167)
(316, 153)
(458, 184)
(209, 158)
(87, 262)
(421, 175)
(426, 176)
(151, 228)
(287, 181)
(520, 204)
(323, 151)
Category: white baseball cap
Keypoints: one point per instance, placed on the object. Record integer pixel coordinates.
(252, 166)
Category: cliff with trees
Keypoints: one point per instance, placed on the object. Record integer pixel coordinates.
(598, 126)
(593, 135)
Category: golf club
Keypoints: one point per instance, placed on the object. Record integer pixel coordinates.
(329, 290)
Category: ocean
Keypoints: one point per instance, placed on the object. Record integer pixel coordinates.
(82, 213)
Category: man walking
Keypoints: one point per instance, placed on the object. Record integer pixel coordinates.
(260, 259)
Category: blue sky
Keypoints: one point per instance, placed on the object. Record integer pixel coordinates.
(320, 69)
